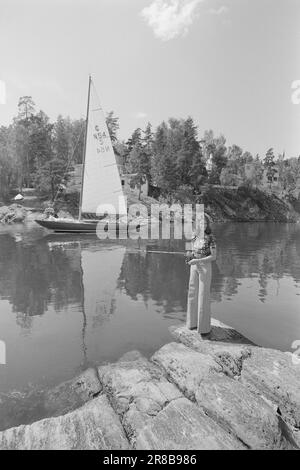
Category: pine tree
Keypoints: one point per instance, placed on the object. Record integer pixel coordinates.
(270, 165)
(136, 138)
(190, 160)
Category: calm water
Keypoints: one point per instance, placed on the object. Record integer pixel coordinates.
(68, 302)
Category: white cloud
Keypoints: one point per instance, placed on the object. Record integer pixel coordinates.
(140, 115)
(218, 11)
(170, 18)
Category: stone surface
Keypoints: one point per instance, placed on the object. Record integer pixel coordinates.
(137, 391)
(20, 408)
(154, 412)
(15, 213)
(273, 375)
(32, 405)
(226, 346)
(93, 426)
(72, 394)
(226, 400)
(246, 415)
(182, 426)
(185, 367)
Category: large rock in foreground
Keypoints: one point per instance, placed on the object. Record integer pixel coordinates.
(224, 399)
(72, 394)
(154, 413)
(25, 408)
(182, 426)
(273, 375)
(216, 393)
(225, 345)
(93, 426)
(270, 376)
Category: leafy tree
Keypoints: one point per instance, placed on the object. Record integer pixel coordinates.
(77, 139)
(215, 146)
(139, 164)
(53, 172)
(113, 126)
(8, 165)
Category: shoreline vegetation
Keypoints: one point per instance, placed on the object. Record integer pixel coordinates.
(175, 163)
(221, 204)
(218, 393)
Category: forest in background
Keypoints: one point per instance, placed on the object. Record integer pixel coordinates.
(35, 152)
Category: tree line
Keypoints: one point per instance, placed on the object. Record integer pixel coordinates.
(173, 158)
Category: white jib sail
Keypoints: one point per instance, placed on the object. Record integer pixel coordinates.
(101, 178)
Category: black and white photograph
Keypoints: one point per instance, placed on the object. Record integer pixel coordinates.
(149, 227)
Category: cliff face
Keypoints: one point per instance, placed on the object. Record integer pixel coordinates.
(246, 205)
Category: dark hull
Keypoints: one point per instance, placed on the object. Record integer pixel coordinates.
(68, 226)
(60, 226)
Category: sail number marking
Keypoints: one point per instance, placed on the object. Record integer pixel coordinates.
(101, 139)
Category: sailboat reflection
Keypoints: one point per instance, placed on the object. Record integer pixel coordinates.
(100, 270)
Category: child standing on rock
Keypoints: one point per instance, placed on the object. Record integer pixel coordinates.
(200, 256)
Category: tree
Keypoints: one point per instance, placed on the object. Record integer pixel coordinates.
(148, 138)
(77, 139)
(216, 147)
(8, 164)
(270, 165)
(113, 126)
(139, 164)
(163, 167)
(139, 157)
(190, 164)
(53, 172)
(26, 108)
(136, 138)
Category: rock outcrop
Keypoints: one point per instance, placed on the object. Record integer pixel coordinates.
(224, 399)
(221, 392)
(72, 394)
(154, 413)
(93, 426)
(25, 408)
(15, 213)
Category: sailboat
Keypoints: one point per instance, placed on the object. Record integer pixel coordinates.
(101, 183)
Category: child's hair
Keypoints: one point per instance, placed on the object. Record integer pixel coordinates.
(208, 227)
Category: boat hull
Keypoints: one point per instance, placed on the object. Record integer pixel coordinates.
(68, 226)
(60, 226)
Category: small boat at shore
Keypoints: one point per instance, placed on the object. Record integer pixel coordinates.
(101, 188)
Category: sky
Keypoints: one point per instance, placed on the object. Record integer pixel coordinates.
(230, 64)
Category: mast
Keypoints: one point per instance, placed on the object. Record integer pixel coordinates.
(84, 148)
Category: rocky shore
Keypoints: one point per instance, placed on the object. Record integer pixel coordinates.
(15, 213)
(221, 392)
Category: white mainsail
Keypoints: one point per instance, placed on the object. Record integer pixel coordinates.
(101, 179)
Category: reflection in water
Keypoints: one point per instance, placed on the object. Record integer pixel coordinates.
(100, 271)
(68, 302)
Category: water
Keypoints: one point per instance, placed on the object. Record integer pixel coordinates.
(67, 302)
